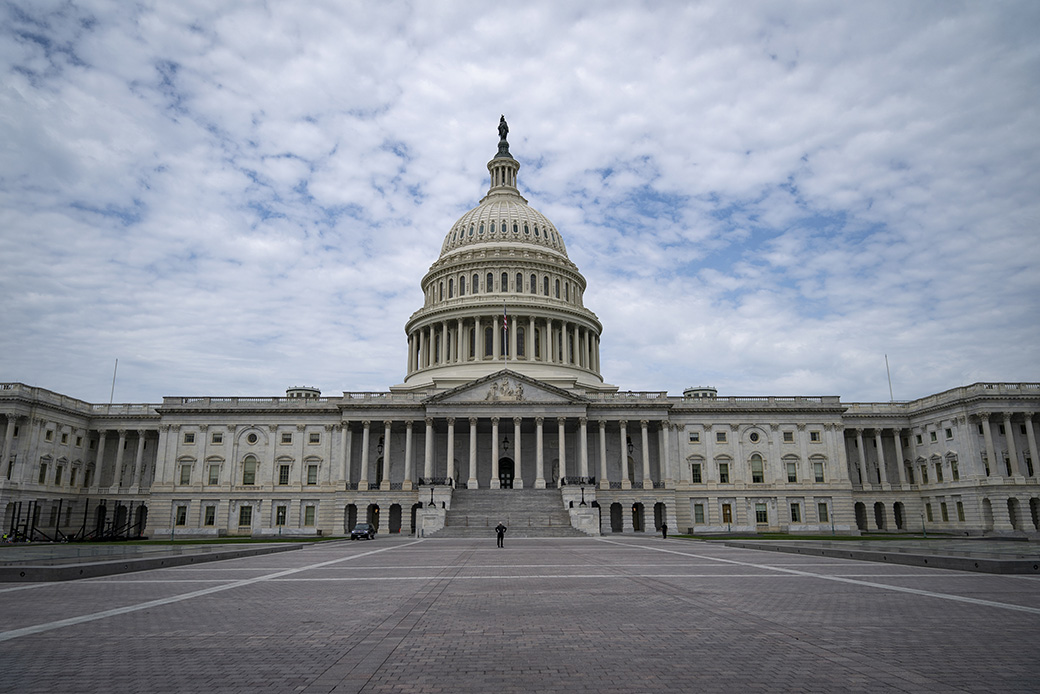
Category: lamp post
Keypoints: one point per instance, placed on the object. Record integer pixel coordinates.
(582, 497)
(924, 528)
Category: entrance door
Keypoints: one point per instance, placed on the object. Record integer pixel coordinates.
(505, 473)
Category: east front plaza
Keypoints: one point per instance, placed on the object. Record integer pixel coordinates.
(612, 614)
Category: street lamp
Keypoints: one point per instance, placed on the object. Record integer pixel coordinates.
(505, 443)
(582, 497)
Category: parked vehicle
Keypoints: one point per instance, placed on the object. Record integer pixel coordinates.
(363, 531)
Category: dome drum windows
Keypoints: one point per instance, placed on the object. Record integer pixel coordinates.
(504, 287)
(490, 285)
(519, 288)
(534, 284)
(462, 286)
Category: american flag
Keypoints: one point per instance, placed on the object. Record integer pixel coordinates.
(505, 318)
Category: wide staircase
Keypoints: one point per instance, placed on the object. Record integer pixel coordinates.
(526, 512)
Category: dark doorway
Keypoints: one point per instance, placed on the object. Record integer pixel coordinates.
(616, 520)
(141, 522)
(659, 515)
(879, 515)
(861, 516)
(638, 524)
(505, 473)
(897, 511)
(349, 517)
(415, 508)
(100, 519)
(373, 515)
(395, 518)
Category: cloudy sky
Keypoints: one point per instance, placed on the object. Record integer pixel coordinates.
(236, 197)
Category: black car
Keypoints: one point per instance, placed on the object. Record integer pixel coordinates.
(363, 531)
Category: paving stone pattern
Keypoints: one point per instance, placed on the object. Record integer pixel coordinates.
(618, 614)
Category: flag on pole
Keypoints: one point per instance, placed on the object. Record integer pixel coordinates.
(505, 332)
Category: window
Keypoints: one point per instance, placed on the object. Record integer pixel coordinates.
(788, 437)
(955, 473)
(918, 437)
(279, 516)
(72, 479)
(753, 436)
(720, 436)
(79, 442)
(182, 515)
(451, 287)
(792, 472)
(249, 471)
(283, 474)
(64, 439)
(695, 473)
(286, 437)
(504, 287)
(245, 516)
(814, 436)
(216, 438)
(944, 512)
(1029, 467)
(58, 474)
(938, 472)
(476, 285)
(817, 468)
(557, 289)
(214, 473)
(821, 511)
(314, 437)
(723, 473)
(489, 284)
(932, 436)
(312, 474)
(519, 287)
(43, 474)
(209, 516)
(727, 513)
(462, 286)
(186, 473)
(949, 433)
(308, 515)
(189, 437)
(796, 513)
(981, 431)
(534, 284)
(698, 514)
(757, 474)
(49, 435)
(924, 474)
(960, 511)
(695, 437)
(545, 286)
(252, 438)
(88, 477)
(928, 512)
(1001, 429)
(761, 513)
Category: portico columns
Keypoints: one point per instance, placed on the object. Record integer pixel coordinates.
(385, 484)
(451, 450)
(428, 459)
(1031, 437)
(991, 453)
(363, 482)
(529, 339)
(666, 471)
(603, 482)
(5, 452)
(407, 484)
(648, 483)
(99, 464)
(626, 483)
(495, 483)
(563, 450)
(518, 477)
(882, 472)
(900, 468)
(1009, 435)
(135, 480)
(471, 483)
(862, 458)
(459, 332)
(118, 471)
(583, 447)
(496, 341)
(539, 456)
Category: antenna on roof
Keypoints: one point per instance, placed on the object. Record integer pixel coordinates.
(891, 397)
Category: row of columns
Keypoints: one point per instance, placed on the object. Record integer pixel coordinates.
(470, 474)
(546, 340)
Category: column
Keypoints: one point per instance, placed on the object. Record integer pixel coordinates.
(900, 468)
(648, 483)
(444, 343)
(625, 482)
(451, 450)
(518, 477)
(882, 468)
(995, 466)
(1031, 437)
(385, 484)
(135, 479)
(561, 421)
(471, 483)
(1009, 435)
(665, 457)
(407, 483)
(512, 339)
(118, 472)
(346, 438)
(363, 482)
(603, 482)
(529, 347)
(583, 447)
(496, 340)
(5, 452)
(539, 456)
(99, 461)
(419, 349)
(913, 455)
(862, 458)
(478, 339)
(428, 459)
(459, 331)
(495, 484)
(408, 369)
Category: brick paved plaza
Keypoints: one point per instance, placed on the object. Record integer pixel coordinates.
(617, 614)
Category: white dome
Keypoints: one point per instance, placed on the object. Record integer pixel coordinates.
(503, 217)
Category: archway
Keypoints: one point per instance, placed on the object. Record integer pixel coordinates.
(897, 511)
(349, 517)
(373, 515)
(659, 515)
(879, 515)
(120, 519)
(1012, 505)
(638, 524)
(599, 515)
(141, 520)
(861, 516)
(617, 523)
(100, 518)
(395, 518)
(987, 514)
(1034, 512)
(415, 508)
(505, 473)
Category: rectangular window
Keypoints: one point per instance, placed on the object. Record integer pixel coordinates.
(279, 516)
(695, 473)
(245, 516)
(792, 472)
(727, 513)
(312, 474)
(796, 513)
(314, 437)
(72, 478)
(185, 474)
(944, 511)
(928, 512)
(924, 474)
(949, 433)
(788, 437)
(189, 437)
(182, 515)
(58, 474)
(308, 516)
(88, 477)
(283, 474)
(1029, 467)
(698, 514)
(981, 431)
(214, 473)
(932, 437)
(79, 442)
(695, 437)
(49, 435)
(210, 516)
(761, 514)
(43, 474)
(1001, 429)
(938, 472)
(64, 439)
(249, 474)
(757, 475)
(216, 438)
(720, 436)
(960, 511)
(814, 436)
(724, 473)
(955, 472)
(821, 511)
(286, 437)
(918, 438)
(817, 468)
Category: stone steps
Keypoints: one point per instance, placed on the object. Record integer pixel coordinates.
(526, 512)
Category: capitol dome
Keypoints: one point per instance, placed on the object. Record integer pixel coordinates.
(503, 294)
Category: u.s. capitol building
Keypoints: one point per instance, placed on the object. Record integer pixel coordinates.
(503, 415)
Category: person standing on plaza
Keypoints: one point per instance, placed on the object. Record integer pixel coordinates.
(500, 530)
(664, 531)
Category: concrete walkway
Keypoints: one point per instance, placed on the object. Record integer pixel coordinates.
(618, 614)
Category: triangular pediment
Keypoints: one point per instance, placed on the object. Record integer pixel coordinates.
(506, 386)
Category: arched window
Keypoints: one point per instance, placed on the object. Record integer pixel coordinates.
(476, 283)
(757, 471)
(567, 291)
(462, 286)
(481, 229)
(472, 343)
(453, 234)
(489, 286)
(451, 287)
(534, 284)
(536, 230)
(249, 470)
(527, 229)
(489, 342)
(545, 285)
(471, 229)
(519, 283)
(505, 282)
(557, 289)
(503, 227)
(516, 229)
(442, 291)
(520, 334)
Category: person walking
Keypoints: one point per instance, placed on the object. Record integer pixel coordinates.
(500, 529)
(664, 531)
